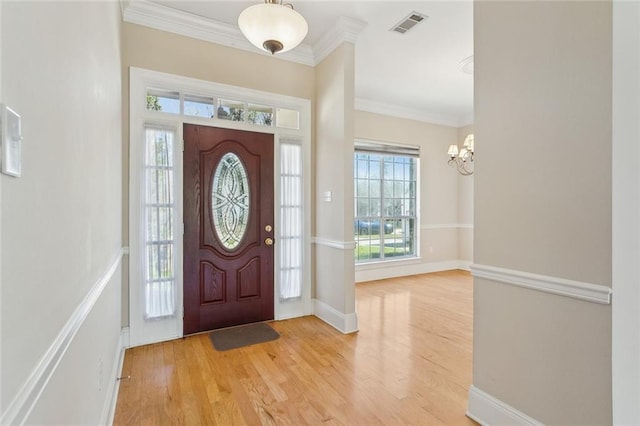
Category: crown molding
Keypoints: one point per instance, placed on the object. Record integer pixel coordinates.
(157, 16)
(345, 30)
(408, 113)
(153, 15)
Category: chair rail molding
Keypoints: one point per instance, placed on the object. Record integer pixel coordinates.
(559, 286)
(27, 397)
(327, 242)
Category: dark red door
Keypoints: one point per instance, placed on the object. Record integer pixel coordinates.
(228, 227)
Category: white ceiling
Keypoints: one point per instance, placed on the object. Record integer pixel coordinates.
(417, 74)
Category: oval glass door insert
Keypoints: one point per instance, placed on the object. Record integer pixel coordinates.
(230, 200)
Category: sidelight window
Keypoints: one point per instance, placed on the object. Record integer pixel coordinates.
(291, 209)
(159, 208)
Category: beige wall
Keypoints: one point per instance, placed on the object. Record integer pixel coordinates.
(330, 87)
(465, 207)
(543, 205)
(438, 188)
(335, 97)
(62, 218)
(156, 50)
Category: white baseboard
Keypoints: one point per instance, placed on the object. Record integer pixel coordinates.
(125, 339)
(465, 265)
(489, 411)
(345, 323)
(21, 406)
(383, 270)
(109, 410)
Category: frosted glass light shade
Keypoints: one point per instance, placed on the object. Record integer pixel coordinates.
(468, 142)
(453, 150)
(273, 27)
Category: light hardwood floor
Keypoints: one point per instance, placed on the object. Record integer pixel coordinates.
(410, 363)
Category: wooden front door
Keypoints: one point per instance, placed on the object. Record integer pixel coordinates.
(228, 228)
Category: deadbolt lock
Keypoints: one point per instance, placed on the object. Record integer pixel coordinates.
(268, 241)
(268, 228)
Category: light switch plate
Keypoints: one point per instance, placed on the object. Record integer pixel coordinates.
(11, 141)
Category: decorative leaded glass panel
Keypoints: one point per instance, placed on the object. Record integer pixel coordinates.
(230, 200)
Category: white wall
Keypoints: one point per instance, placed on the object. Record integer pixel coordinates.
(62, 219)
(439, 193)
(1, 286)
(626, 210)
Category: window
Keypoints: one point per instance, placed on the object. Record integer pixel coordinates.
(163, 100)
(159, 207)
(198, 106)
(288, 119)
(385, 203)
(230, 110)
(291, 208)
(230, 200)
(212, 107)
(261, 115)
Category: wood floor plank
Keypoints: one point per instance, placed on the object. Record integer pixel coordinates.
(410, 363)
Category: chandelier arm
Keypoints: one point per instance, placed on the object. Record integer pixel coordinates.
(464, 171)
(461, 166)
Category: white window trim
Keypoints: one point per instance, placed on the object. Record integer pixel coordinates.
(145, 332)
(405, 260)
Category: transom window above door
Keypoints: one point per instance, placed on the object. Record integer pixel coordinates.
(218, 108)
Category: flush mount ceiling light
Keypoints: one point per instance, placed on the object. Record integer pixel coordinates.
(272, 26)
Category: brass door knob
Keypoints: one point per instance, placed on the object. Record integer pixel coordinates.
(268, 228)
(268, 241)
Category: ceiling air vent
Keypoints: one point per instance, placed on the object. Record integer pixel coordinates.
(409, 22)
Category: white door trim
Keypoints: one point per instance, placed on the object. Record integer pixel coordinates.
(144, 332)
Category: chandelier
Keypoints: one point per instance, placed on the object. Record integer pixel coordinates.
(272, 26)
(463, 159)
